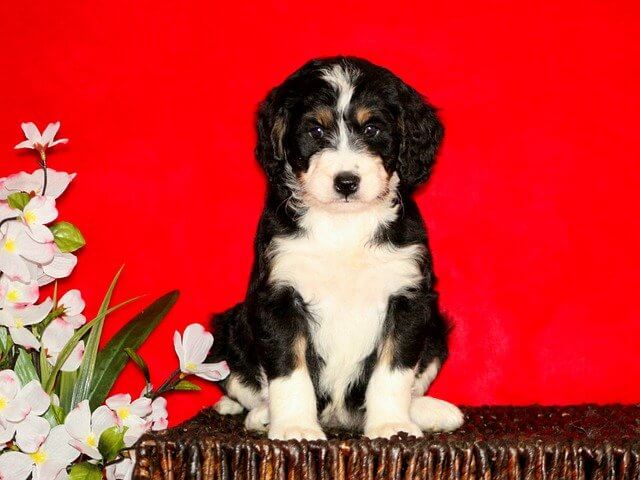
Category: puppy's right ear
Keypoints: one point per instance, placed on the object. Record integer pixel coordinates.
(272, 127)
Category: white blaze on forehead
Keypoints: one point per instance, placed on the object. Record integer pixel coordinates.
(341, 79)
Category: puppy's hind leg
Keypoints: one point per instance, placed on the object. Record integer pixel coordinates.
(228, 406)
(431, 414)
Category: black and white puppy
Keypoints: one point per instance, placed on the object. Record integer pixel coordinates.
(340, 326)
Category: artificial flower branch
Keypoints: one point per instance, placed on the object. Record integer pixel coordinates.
(56, 418)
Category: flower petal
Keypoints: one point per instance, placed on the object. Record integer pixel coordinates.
(13, 292)
(56, 335)
(213, 372)
(9, 384)
(74, 359)
(101, 419)
(22, 336)
(24, 144)
(31, 132)
(42, 209)
(120, 400)
(177, 345)
(78, 421)
(31, 433)
(50, 132)
(58, 448)
(141, 407)
(34, 313)
(196, 342)
(35, 396)
(33, 251)
(61, 266)
(7, 432)
(15, 466)
(57, 182)
(72, 302)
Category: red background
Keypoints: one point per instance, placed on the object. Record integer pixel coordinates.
(532, 210)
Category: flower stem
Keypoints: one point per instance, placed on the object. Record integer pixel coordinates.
(43, 164)
(168, 384)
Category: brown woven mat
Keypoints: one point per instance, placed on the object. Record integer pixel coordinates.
(551, 443)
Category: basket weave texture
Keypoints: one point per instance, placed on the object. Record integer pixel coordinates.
(510, 443)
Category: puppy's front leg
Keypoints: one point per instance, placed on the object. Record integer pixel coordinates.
(292, 400)
(388, 400)
(389, 393)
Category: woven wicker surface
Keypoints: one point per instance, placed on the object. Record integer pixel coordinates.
(578, 442)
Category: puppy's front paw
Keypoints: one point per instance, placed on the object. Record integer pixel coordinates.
(388, 430)
(257, 418)
(296, 431)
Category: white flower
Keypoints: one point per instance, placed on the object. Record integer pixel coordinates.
(131, 415)
(17, 293)
(123, 470)
(57, 183)
(159, 415)
(73, 305)
(61, 329)
(55, 455)
(192, 349)
(36, 214)
(17, 248)
(38, 141)
(24, 411)
(60, 267)
(9, 388)
(16, 318)
(55, 337)
(85, 427)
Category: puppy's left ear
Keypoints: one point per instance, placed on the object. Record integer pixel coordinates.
(422, 134)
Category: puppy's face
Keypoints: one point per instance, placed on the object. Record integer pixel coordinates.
(343, 134)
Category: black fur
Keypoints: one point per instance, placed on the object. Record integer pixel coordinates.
(258, 334)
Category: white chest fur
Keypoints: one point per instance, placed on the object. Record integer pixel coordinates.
(346, 281)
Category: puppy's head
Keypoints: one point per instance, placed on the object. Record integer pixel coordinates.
(343, 134)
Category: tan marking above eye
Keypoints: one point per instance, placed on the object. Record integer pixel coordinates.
(363, 114)
(322, 115)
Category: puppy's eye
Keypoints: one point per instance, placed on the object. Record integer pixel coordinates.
(316, 132)
(371, 131)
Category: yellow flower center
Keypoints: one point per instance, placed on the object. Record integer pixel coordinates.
(19, 323)
(30, 217)
(10, 245)
(91, 441)
(13, 295)
(190, 366)
(3, 403)
(123, 413)
(39, 457)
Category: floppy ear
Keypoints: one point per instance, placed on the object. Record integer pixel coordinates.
(421, 132)
(272, 126)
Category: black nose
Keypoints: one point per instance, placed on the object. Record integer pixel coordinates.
(346, 183)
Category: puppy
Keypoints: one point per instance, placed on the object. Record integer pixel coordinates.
(340, 326)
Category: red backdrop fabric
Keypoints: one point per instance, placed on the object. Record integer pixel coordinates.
(532, 209)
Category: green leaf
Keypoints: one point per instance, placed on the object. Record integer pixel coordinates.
(5, 340)
(24, 368)
(85, 471)
(67, 384)
(67, 236)
(139, 361)
(112, 358)
(73, 341)
(18, 200)
(58, 413)
(111, 442)
(186, 385)
(85, 371)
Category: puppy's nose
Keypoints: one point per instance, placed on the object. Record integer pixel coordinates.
(346, 183)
